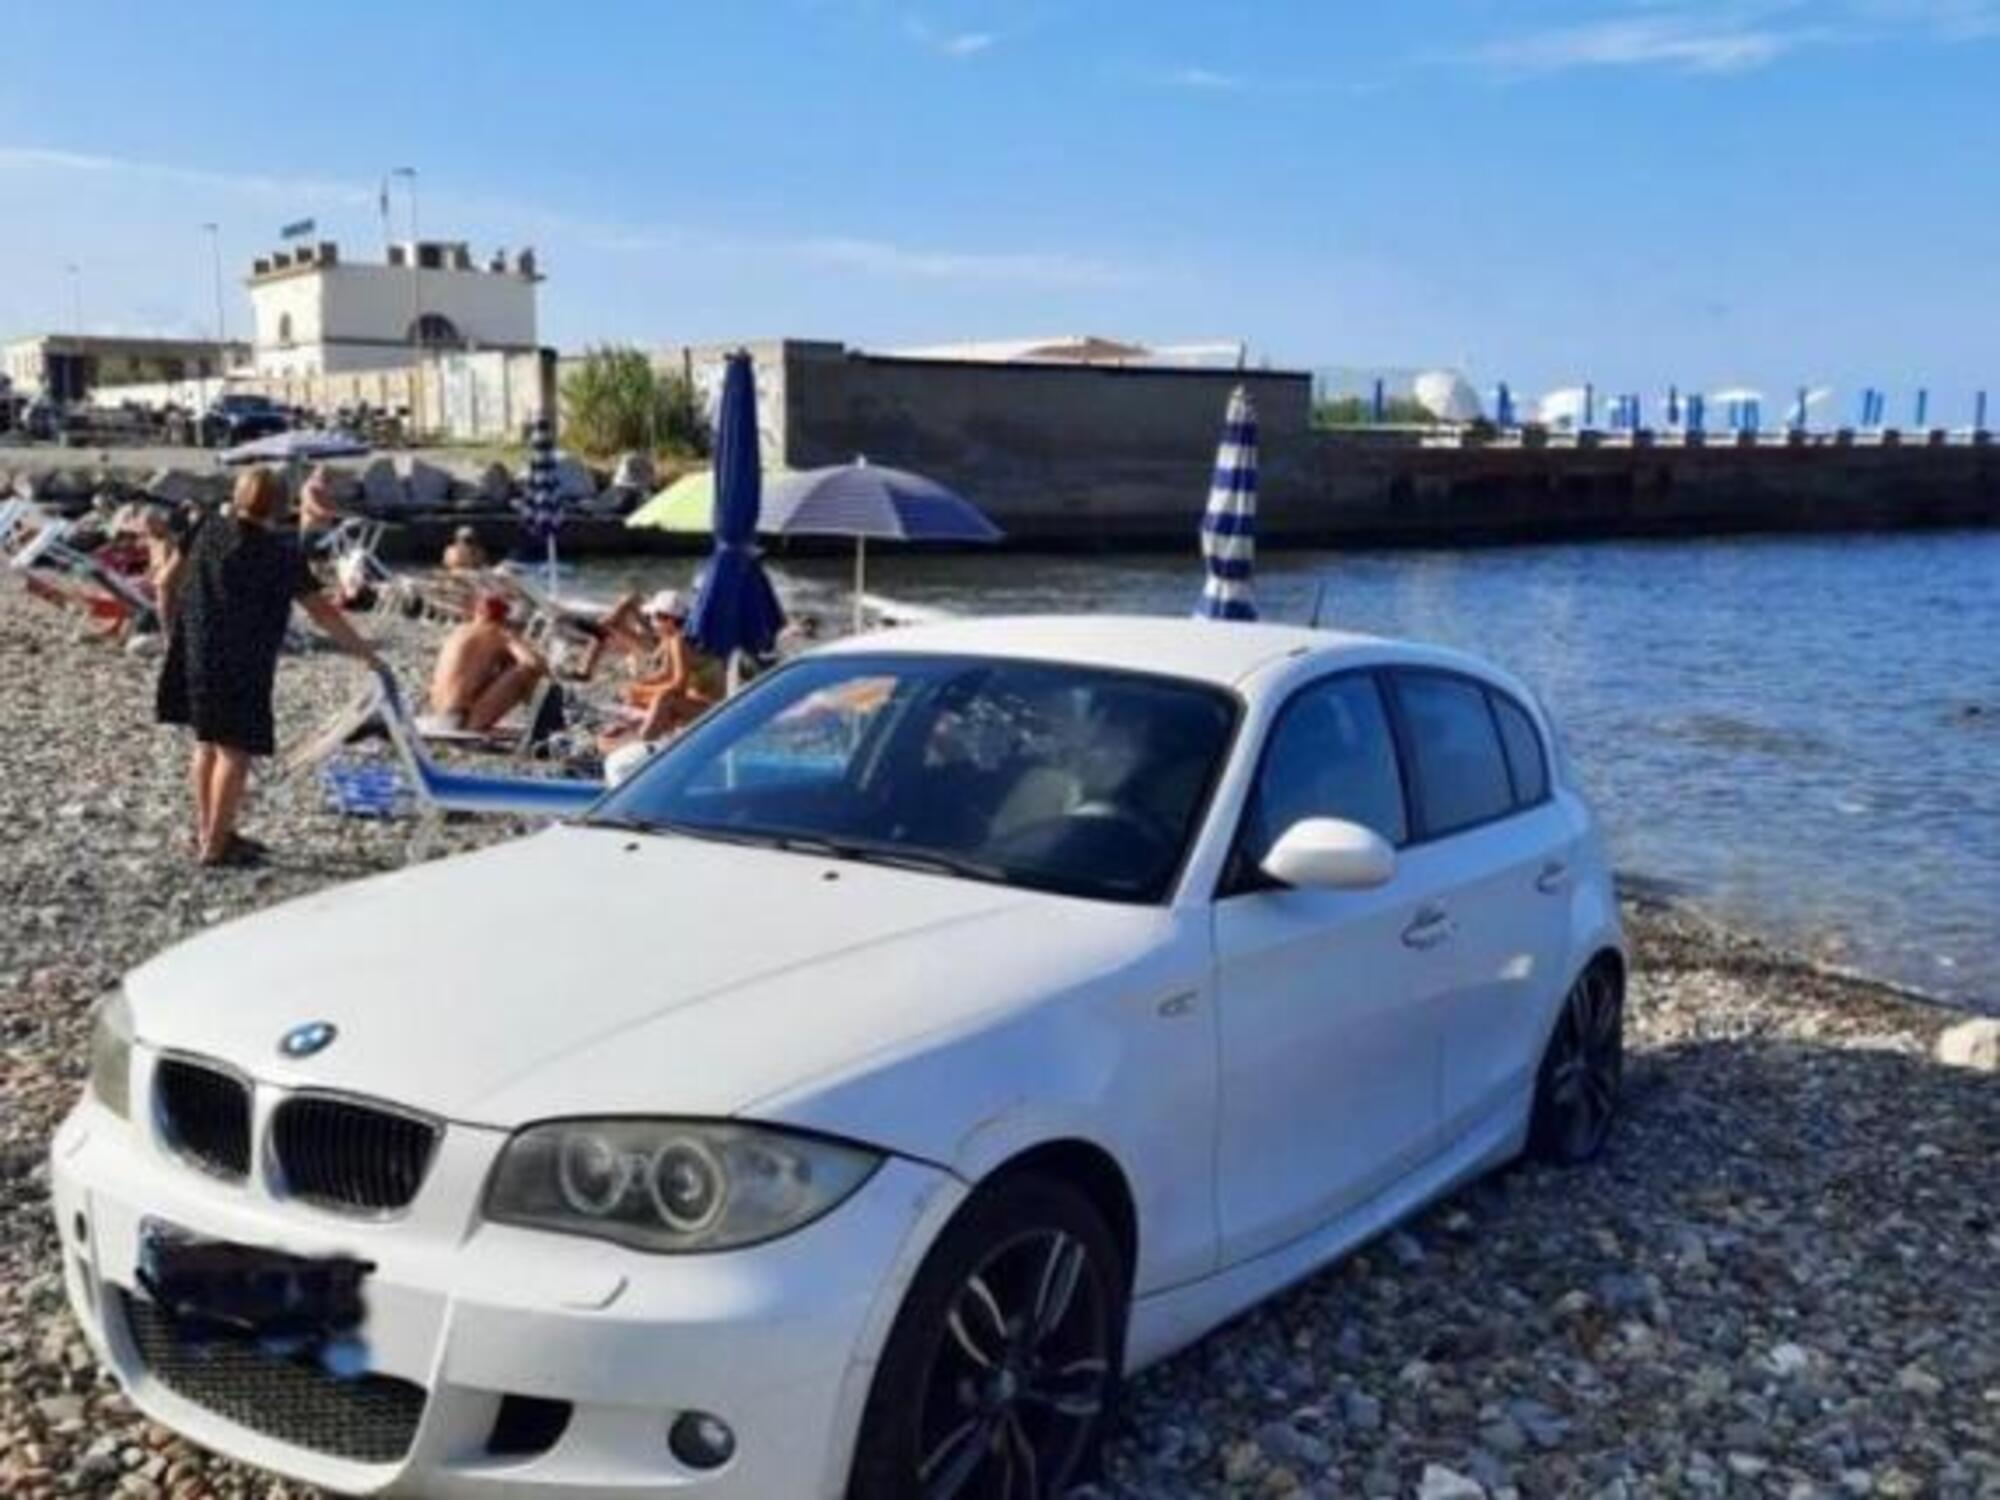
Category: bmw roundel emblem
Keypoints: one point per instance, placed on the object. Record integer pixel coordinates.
(304, 1041)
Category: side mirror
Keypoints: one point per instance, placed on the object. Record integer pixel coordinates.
(1330, 854)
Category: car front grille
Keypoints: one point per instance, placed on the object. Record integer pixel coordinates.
(352, 1156)
(205, 1114)
(367, 1418)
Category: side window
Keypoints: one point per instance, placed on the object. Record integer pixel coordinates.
(1460, 770)
(1331, 755)
(1525, 760)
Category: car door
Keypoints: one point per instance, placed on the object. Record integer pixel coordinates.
(1329, 1040)
(1495, 846)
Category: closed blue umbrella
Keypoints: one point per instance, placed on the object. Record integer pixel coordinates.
(865, 500)
(735, 608)
(1229, 524)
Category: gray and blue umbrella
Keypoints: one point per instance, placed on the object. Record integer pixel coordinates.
(865, 501)
(297, 446)
(735, 609)
(1229, 524)
(542, 505)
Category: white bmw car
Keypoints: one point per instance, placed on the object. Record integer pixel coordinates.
(950, 1024)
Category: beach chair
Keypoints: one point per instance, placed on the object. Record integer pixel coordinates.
(411, 782)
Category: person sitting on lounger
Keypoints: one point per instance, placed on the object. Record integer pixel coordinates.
(465, 554)
(483, 670)
(681, 684)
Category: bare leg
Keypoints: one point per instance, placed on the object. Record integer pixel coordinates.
(225, 799)
(500, 695)
(200, 768)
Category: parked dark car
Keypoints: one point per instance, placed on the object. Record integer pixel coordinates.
(240, 417)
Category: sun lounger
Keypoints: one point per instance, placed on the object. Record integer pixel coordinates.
(429, 789)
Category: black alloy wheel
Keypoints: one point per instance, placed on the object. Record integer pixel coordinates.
(1003, 1365)
(1576, 1094)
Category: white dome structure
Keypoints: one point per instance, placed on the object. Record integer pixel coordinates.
(1563, 408)
(1446, 395)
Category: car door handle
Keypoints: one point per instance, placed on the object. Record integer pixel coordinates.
(1430, 926)
(1554, 876)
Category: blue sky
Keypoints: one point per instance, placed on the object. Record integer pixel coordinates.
(1631, 191)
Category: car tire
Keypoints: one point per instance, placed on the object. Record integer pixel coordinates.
(1582, 1072)
(965, 1401)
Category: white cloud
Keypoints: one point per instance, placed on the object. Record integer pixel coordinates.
(289, 189)
(1732, 36)
(1207, 80)
(966, 43)
(953, 44)
(872, 256)
(882, 258)
(1682, 43)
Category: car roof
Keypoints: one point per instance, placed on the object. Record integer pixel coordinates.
(1215, 651)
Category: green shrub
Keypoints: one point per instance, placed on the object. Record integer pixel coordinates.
(615, 400)
(1357, 411)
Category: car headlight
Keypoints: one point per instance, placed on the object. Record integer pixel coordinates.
(111, 1054)
(672, 1185)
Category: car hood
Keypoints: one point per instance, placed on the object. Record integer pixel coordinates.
(589, 970)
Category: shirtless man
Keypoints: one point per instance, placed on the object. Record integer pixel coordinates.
(483, 669)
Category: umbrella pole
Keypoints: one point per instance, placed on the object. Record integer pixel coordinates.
(552, 565)
(860, 581)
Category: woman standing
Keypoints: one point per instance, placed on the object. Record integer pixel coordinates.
(225, 599)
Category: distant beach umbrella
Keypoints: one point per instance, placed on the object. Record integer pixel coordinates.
(1503, 406)
(542, 506)
(864, 501)
(1229, 523)
(1378, 406)
(1979, 412)
(735, 609)
(1923, 408)
(1673, 406)
(1589, 404)
(1697, 411)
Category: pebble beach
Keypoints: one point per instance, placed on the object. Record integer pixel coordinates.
(1779, 1280)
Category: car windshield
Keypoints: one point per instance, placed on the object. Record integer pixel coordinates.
(1083, 781)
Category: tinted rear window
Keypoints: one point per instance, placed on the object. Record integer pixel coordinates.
(1461, 771)
(1524, 751)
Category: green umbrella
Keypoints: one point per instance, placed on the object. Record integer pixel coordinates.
(687, 505)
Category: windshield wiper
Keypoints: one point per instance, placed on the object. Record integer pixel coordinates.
(623, 822)
(927, 861)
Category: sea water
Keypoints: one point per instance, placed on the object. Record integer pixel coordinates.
(1801, 735)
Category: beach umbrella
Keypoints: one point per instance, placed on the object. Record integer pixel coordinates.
(1229, 522)
(871, 502)
(735, 609)
(296, 447)
(1979, 412)
(687, 506)
(542, 507)
(1673, 406)
(1923, 408)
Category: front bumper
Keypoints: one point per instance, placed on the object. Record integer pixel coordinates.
(778, 1340)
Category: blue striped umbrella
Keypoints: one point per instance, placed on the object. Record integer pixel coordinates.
(1229, 524)
(542, 506)
(864, 500)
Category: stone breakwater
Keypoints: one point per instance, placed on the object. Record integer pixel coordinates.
(1778, 1281)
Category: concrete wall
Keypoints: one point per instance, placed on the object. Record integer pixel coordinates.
(459, 397)
(1058, 452)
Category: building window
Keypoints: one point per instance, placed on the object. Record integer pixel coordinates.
(284, 330)
(436, 331)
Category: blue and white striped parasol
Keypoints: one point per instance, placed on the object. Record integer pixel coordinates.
(1229, 525)
(542, 506)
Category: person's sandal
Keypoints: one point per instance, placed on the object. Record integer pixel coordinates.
(236, 855)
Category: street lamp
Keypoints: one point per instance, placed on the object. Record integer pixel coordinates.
(214, 233)
(416, 293)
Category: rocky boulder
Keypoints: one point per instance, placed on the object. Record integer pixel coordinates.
(1972, 1044)
(633, 472)
(381, 486)
(425, 485)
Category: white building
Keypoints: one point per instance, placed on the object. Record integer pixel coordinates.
(317, 314)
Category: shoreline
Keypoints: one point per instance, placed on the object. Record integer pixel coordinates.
(1777, 1281)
